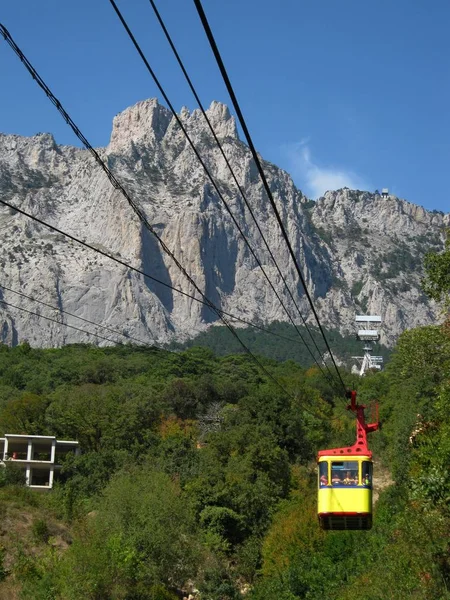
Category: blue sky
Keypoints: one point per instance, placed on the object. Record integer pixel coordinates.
(337, 93)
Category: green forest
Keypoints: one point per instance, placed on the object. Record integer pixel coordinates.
(197, 471)
(281, 342)
(197, 476)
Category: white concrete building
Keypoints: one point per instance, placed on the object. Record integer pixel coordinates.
(38, 455)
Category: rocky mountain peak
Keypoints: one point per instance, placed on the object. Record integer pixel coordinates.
(148, 123)
(358, 251)
(223, 122)
(145, 122)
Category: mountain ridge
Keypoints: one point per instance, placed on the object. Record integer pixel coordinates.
(358, 251)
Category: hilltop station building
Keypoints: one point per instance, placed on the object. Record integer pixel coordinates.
(39, 456)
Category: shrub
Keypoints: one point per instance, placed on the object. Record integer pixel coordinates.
(357, 287)
(40, 531)
(10, 475)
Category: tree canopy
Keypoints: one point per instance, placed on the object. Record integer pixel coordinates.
(199, 472)
(437, 279)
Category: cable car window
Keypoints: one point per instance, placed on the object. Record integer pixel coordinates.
(323, 474)
(344, 473)
(367, 473)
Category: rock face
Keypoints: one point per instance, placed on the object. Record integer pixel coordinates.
(359, 252)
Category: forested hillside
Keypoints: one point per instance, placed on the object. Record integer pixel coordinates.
(197, 476)
(281, 342)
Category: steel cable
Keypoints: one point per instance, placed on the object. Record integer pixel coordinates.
(237, 108)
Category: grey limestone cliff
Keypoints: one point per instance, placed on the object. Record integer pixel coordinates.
(358, 251)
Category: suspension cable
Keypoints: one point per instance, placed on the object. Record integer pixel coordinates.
(30, 312)
(65, 312)
(140, 272)
(238, 185)
(180, 123)
(64, 324)
(237, 108)
(117, 185)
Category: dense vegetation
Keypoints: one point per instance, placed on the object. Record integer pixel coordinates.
(196, 468)
(281, 342)
(197, 474)
(185, 459)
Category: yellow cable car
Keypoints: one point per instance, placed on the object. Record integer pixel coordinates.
(345, 479)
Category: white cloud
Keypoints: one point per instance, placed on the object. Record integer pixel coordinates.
(315, 180)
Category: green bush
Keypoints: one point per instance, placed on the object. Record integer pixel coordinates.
(143, 535)
(3, 570)
(40, 531)
(159, 592)
(357, 287)
(11, 475)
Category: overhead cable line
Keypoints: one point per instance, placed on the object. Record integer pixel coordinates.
(117, 185)
(85, 142)
(180, 123)
(30, 312)
(115, 331)
(238, 185)
(64, 324)
(140, 272)
(237, 108)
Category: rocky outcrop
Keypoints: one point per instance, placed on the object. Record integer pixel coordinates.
(359, 252)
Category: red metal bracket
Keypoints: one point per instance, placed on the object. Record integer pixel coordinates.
(362, 429)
